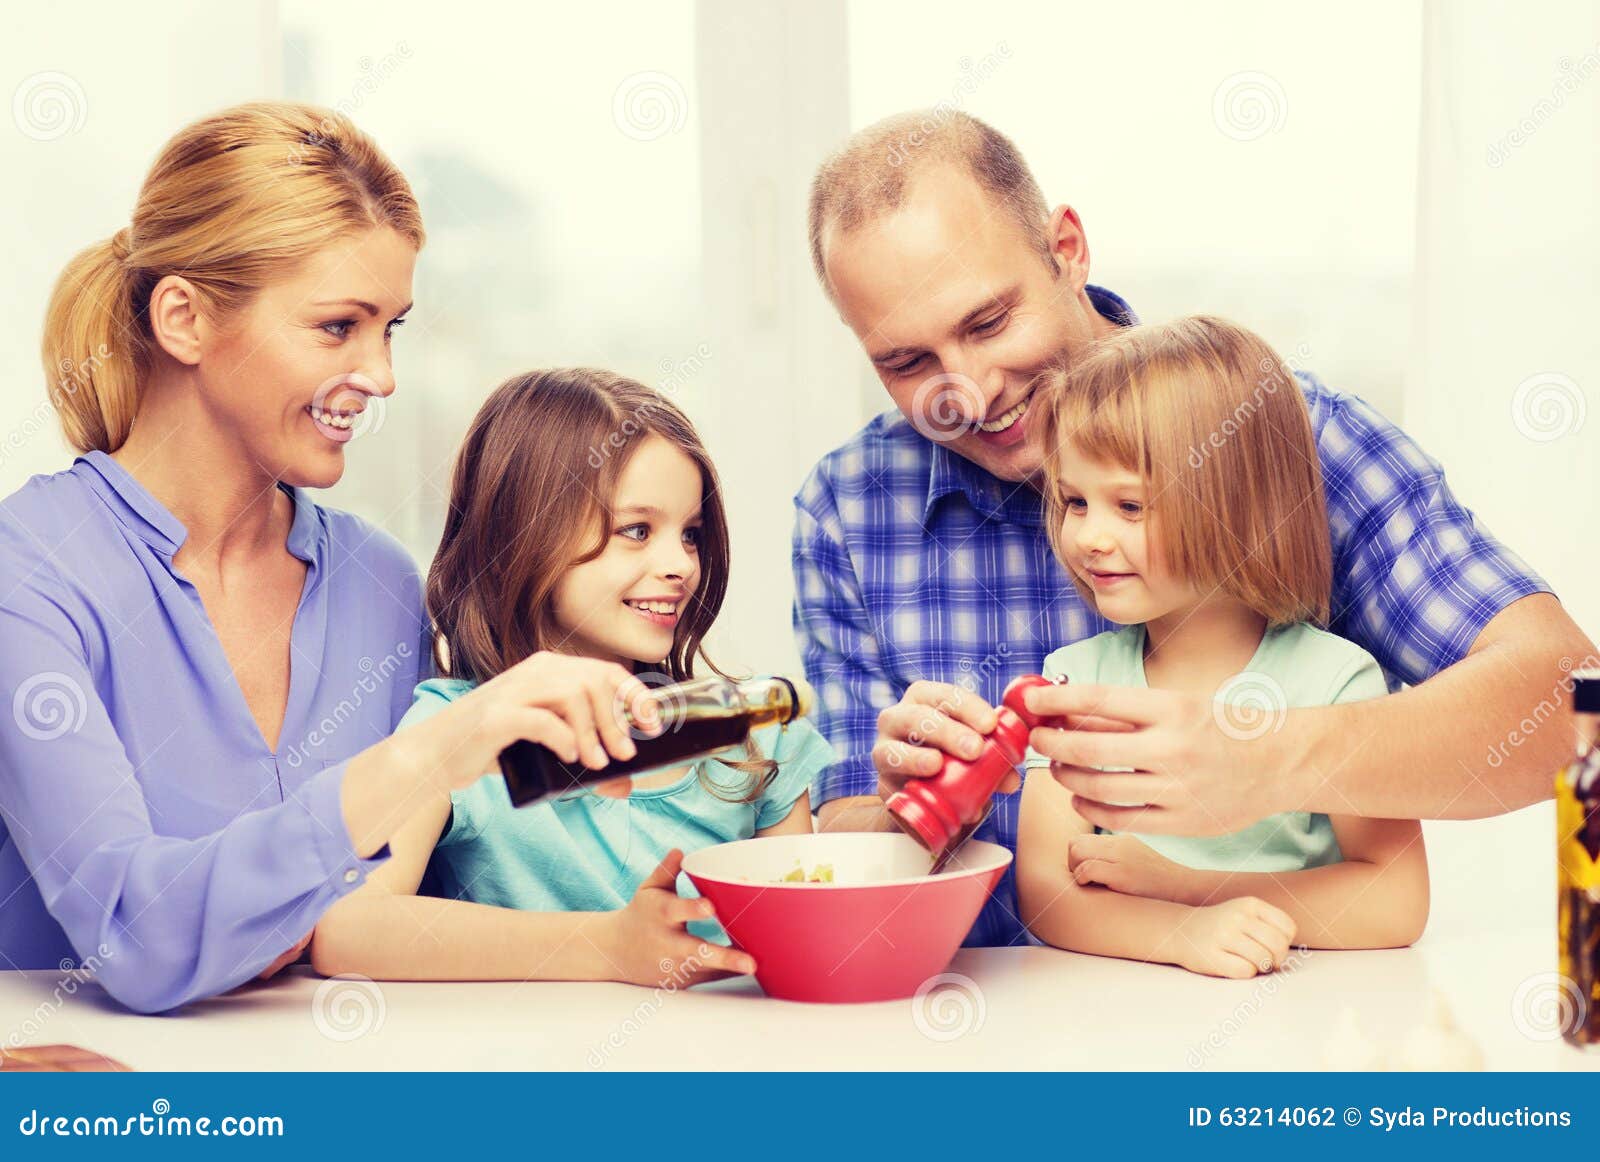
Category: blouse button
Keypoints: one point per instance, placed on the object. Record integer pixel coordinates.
(351, 876)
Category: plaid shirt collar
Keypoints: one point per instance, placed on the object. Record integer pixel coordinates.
(951, 474)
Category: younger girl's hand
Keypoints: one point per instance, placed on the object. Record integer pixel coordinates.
(649, 944)
(1124, 864)
(1237, 938)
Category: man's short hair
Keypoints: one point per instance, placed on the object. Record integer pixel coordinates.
(870, 175)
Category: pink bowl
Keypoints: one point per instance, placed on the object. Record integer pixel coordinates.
(882, 928)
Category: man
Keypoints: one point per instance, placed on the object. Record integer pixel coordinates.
(924, 579)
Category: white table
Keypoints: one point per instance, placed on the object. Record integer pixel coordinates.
(1040, 1009)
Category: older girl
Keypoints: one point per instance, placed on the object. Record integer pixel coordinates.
(585, 528)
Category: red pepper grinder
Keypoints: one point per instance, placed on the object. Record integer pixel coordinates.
(943, 810)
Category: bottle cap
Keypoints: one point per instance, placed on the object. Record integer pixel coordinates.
(1586, 692)
(805, 698)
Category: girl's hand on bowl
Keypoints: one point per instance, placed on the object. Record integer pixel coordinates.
(650, 945)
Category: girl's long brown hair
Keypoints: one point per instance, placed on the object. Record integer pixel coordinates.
(530, 498)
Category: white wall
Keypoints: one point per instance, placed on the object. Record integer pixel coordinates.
(1508, 281)
(90, 109)
(789, 382)
(1508, 294)
(1229, 158)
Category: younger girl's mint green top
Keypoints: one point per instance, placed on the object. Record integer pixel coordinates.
(1295, 665)
(583, 852)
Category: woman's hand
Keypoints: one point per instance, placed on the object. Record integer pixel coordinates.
(1124, 864)
(650, 945)
(1237, 938)
(574, 706)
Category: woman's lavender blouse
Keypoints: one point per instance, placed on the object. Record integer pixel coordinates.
(146, 830)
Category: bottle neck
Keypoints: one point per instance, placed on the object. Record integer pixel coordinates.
(760, 700)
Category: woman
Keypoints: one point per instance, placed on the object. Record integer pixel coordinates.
(203, 664)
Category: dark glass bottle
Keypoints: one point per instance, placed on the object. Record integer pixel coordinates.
(698, 718)
(1578, 858)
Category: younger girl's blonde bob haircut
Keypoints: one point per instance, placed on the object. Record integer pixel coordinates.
(1214, 423)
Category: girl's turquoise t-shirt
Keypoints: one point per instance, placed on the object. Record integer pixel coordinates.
(1295, 665)
(584, 852)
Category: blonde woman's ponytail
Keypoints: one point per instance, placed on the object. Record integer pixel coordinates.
(92, 348)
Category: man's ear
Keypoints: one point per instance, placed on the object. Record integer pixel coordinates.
(1069, 244)
(175, 320)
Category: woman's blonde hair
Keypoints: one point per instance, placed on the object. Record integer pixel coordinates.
(1216, 426)
(235, 202)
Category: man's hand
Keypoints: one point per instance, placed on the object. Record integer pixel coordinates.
(932, 720)
(1187, 776)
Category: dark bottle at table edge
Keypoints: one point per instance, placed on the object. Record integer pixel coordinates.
(698, 718)
(1578, 870)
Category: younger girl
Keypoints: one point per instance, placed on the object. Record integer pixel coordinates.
(585, 529)
(1184, 498)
